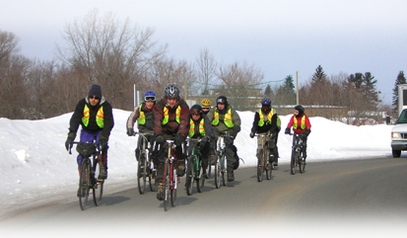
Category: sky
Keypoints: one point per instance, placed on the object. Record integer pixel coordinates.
(33, 155)
(278, 37)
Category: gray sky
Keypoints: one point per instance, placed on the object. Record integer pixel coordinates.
(278, 37)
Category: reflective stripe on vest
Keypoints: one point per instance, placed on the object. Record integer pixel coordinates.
(167, 116)
(142, 117)
(227, 120)
(99, 117)
(269, 116)
(303, 126)
(192, 128)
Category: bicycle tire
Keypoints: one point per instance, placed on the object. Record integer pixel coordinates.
(223, 169)
(166, 184)
(189, 183)
(269, 166)
(97, 187)
(260, 168)
(217, 174)
(142, 174)
(84, 184)
(150, 177)
(294, 163)
(174, 186)
(302, 163)
(200, 181)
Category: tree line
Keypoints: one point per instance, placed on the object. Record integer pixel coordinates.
(119, 54)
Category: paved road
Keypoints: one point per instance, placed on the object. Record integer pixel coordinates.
(356, 197)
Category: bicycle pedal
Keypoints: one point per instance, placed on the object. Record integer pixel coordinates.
(100, 180)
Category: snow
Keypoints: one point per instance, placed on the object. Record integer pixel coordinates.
(35, 167)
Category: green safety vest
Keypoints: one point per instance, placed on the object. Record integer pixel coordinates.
(142, 117)
(192, 127)
(269, 116)
(227, 120)
(167, 116)
(303, 126)
(99, 116)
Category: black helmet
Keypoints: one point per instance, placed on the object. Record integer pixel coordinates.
(299, 108)
(171, 91)
(221, 100)
(196, 109)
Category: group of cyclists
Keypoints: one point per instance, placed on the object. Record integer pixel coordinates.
(170, 118)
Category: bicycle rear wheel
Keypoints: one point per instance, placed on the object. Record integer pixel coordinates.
(84, 184)
(260, 168)
(98, 184)
(166, 184)
(190, 175)
(142, 174)
(200, 178)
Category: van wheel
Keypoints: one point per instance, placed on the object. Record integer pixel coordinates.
(396, 153)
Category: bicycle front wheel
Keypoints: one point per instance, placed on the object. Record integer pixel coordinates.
(166, 184)
(84, 184)
(200, 181)
(268, 165)
(174, 185)
(190, 175)
(217, 174)
(260, 168)
(223, 169)
(302, 163)
(98, 184)
(142, 174)
(294, 159)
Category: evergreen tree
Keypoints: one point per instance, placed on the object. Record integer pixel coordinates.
(286, 92)
(369, 89)
(401, 79)
(268, 92)
(319, 75)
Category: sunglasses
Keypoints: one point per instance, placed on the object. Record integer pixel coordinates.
(265, 108)
(206, 108)
(149, 99)
(195, 113)
(94, 97)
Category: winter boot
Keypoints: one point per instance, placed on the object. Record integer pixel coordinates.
(102, 172)
(231, 175)
(160, 192)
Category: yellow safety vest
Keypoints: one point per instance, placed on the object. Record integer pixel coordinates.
(167, 116)
(99, 116)
(227, 120)
(192, 127)
(303, 126)
(141, 118)
(269, 116)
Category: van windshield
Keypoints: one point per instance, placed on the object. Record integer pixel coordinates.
(403, 117)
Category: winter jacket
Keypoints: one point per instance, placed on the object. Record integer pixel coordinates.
(221, 127)
(272, 127)
(92, 126)
(207, 126)
(299, 119)
(148, 120)
(172, 127)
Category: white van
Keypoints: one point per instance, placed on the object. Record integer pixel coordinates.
(399, 135)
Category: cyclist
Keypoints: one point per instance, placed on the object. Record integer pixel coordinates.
(95, 116)
(225, 119)
(301, 125)
(170, 122)
(144, 116)
(200, 127)
(266, 121)
(206, 106)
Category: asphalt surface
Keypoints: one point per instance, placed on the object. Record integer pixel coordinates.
(357, 198)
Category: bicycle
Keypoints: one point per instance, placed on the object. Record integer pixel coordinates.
(297, 154)
(145, 168)
(194, 166)
(221, 163)
(263, 162)
(89, 173)
(170, 179)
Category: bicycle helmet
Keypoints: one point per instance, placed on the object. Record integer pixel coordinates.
(206, 103)
(266, 102)
(196, 110)
(221, 100)
(299, 108)
(150, 96)
(171, 91)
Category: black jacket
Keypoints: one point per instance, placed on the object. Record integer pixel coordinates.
(273, 128)
(76, 118)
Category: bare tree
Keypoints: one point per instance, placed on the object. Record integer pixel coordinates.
(206, 68)
(114, 54)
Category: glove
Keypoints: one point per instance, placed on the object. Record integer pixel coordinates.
(130, 132)
(251, 134)
(69, 143)
(228, 140)
(287, 130)
(306, 132)
(179, 139)
(204, 140)
(159, 139)
(103, 144)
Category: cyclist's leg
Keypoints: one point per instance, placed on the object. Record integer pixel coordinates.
(259, 146)
(230, 157)
(85, 136)
(180, 161)
(204, 150)
(103, 158)
(158, 158)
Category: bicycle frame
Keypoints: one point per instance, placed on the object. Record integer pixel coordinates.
(297, 153)
(222, 160)
(263, 163)
(170, 179)
(145, 168)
